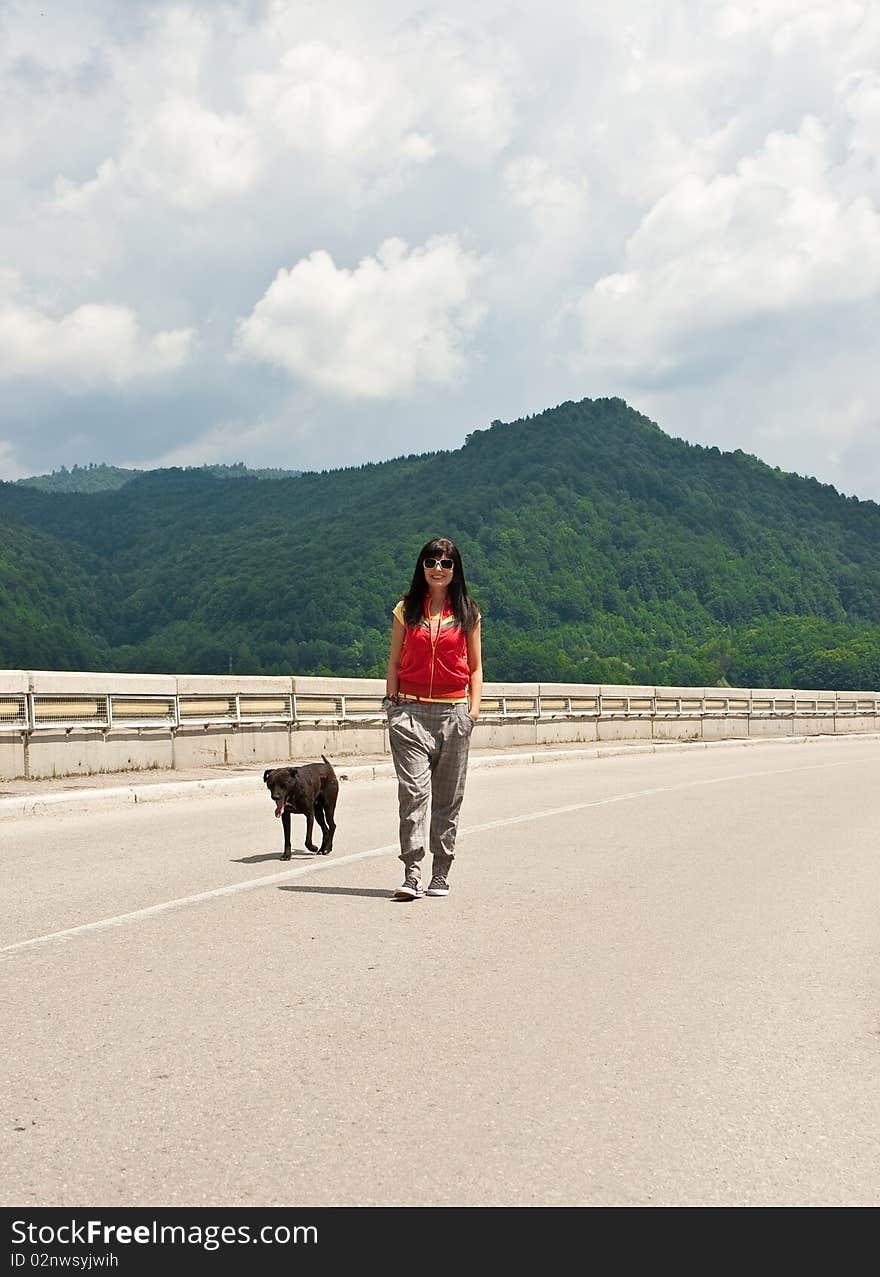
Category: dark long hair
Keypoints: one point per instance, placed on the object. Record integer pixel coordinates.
(464, 608)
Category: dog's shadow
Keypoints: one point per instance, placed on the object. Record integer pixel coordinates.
(274, 855)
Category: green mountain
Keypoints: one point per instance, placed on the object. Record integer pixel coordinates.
(103, 478)
(599, 548)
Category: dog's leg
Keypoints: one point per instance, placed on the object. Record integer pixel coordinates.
(330, 811)
(285, 821)
(310, 825)
(326, 836)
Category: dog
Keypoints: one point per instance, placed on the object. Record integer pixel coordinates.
(310, 789)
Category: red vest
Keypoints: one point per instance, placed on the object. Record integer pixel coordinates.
(435, 668)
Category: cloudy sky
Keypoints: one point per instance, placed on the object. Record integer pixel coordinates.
(308, 235)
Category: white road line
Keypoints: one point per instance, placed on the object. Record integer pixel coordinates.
(324, 862)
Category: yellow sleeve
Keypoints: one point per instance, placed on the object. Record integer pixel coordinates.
(398, 613)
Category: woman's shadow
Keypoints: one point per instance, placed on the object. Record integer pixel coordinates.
(304, 890)
(339, 891)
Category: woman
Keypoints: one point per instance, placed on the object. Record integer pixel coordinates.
(434, 669)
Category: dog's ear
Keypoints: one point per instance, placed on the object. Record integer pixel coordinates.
(266, 774)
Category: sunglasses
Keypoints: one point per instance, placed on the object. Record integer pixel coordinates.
(446, 564)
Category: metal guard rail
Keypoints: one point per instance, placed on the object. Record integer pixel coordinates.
(34, 711)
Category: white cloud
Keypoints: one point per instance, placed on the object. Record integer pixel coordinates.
(371, 87)
(468, 81)
(557, 201)
(327, 100)
(861, 98)
(398, 321)
(183, 155)
(788, 24)
(359, 112)
(774, 236)
(92, 345)
(173, 144)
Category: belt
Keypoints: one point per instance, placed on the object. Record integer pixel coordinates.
(432, 700)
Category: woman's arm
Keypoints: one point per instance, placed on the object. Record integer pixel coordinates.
(475, 665)
(398, 634)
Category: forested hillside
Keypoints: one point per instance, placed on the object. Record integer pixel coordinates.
(599, 548)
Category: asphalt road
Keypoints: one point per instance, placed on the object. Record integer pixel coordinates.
(655, 981)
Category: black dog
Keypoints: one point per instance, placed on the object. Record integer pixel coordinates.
(310, 789)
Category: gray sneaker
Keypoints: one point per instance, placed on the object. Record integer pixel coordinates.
(411, 889)
(438, 886)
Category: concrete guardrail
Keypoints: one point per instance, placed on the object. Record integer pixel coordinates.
(54, 723)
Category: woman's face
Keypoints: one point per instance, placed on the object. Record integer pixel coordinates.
(436, 574)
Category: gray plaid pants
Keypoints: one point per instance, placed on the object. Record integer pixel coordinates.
(429, 744)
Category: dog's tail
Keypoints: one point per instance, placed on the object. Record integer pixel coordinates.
(326, 760)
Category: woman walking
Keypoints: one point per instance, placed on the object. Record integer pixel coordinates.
(435, 672)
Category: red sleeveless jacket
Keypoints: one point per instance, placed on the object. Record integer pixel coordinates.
(434, 668)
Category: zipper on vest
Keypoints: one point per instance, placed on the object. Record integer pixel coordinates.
(434, 642)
